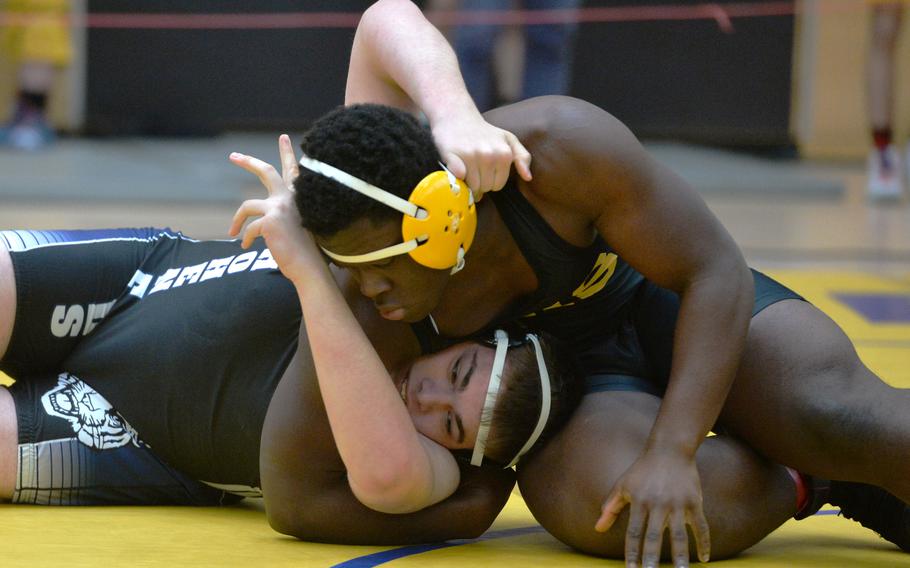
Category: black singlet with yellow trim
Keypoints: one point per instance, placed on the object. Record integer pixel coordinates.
(582, 291)
(620, 326)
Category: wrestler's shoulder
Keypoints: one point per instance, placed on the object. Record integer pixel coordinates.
(539, 118)
(578, 149)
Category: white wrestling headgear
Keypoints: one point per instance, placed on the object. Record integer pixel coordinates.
(486, 415)
(439, 217)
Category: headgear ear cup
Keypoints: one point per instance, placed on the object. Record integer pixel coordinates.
(439, 221)
(449, 225)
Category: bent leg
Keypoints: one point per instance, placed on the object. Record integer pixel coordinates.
(9, 436)
(566, 483)
(63, 443)
(7, 298)
(56, 286)
(803, 398)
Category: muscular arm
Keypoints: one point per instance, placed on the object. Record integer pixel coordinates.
(400, 59)
(593, 175)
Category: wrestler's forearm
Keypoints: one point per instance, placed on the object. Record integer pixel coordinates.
(399, 57)
(710, 335)
(320, 508)
(391, 467)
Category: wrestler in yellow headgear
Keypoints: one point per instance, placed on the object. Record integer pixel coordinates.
(439, 218)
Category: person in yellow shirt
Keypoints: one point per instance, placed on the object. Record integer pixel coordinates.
(37, 41)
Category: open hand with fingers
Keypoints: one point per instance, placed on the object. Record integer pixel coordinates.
(479, 153)
(276, 217)
(663, 490)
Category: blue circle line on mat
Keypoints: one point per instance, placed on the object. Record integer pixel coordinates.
(378, 558)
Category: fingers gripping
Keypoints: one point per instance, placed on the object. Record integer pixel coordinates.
(247, 209)
(638, 516)
(645, 531)
(610, 511)
(278, 187)
(289, 168)
(520, 157)
(266, 173)
(702, 533)
(253, 230)
(679, 539)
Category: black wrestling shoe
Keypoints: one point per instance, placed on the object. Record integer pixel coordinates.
(875, 509)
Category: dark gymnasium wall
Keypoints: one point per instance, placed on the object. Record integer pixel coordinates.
(665, 79)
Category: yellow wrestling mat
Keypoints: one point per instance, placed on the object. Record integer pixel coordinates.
(874, 310)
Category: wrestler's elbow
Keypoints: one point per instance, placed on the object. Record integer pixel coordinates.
(393, 492)
(378, 14)
(285, 520)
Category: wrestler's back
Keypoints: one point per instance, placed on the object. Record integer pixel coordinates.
(191, 353)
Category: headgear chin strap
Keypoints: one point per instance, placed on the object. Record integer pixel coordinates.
(486, 415)
(439, 217)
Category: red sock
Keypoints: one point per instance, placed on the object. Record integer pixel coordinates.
(802, 493)
(881, 137)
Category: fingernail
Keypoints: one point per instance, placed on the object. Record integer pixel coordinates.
(235, 155)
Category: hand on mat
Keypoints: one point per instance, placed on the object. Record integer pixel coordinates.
(480, 153)
(278, 221)
(662, 489)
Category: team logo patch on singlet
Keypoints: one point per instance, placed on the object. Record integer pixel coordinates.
(594, 282)
(94, 420)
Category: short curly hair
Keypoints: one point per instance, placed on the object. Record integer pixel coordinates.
(382, 145)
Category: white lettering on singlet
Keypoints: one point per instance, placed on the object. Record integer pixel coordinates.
(197, 273)
(78, 319)
(75, 320)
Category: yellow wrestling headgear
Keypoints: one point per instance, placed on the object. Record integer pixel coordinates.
(439, 222)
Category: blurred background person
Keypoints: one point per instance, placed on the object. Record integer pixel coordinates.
(547, 52)
(884, 166)
(37, 42)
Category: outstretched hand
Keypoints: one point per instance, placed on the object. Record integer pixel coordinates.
(481, 154)
(278, 220)
(662, 489)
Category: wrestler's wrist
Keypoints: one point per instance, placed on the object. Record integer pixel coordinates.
(682, 446)
(452, 111)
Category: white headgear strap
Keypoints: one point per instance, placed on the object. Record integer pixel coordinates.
(486, 415)
(360, 186)
(384, 197)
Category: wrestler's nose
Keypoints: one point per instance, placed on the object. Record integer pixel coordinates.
(372, 284)
(430, 396)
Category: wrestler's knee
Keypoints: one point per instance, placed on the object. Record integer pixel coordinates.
(558, 497)
(567, 481)
(7, 299)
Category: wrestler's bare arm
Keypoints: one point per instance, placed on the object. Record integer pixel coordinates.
(399, 59)
(307, 493)
(591, 176)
